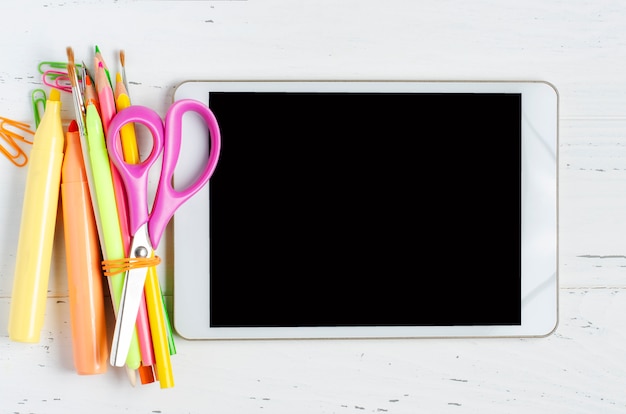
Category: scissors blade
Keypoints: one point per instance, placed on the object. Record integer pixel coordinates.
(130, 300)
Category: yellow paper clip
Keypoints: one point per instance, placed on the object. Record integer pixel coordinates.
(38, 100)
(10, 138)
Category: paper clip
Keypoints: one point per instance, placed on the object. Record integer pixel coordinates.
(11, 149)
(38, 100)
(53, 66)
(54, 74)
(57, 79)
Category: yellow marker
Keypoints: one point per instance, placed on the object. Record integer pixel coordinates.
(39, 213)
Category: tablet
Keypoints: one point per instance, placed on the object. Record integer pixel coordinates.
(369, 209)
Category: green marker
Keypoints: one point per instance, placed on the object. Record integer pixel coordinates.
(111, 234)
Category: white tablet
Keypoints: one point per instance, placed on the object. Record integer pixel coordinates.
(360, 209)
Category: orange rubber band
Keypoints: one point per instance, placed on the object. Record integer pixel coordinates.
(116, 266)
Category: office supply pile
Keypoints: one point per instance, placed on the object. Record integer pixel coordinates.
(96, 170)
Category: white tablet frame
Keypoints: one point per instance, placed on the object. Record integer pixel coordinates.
(540, 110)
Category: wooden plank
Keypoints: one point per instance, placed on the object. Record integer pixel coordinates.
(579, 368)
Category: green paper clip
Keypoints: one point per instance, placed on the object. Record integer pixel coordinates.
(55, 66)
(38, 100)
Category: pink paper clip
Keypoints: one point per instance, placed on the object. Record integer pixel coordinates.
(57, 79)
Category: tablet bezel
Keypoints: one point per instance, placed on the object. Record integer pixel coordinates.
(539, 215)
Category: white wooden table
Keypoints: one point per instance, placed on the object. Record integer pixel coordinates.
(580, 46)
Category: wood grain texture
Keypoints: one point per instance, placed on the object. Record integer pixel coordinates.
(580, 368)
(577, 45)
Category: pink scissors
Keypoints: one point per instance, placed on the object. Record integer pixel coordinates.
(146, 228)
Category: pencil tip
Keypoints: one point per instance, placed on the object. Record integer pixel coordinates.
(132, 377)
(97, 49)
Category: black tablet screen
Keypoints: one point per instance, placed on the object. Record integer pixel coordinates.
(361, 209)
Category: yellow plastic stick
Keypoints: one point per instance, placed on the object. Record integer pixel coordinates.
(159, 334)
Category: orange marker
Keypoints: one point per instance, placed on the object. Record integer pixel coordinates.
(84, 273)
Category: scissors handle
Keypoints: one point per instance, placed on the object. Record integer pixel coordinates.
(135, 176)
(169, 136)
(167, 198)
